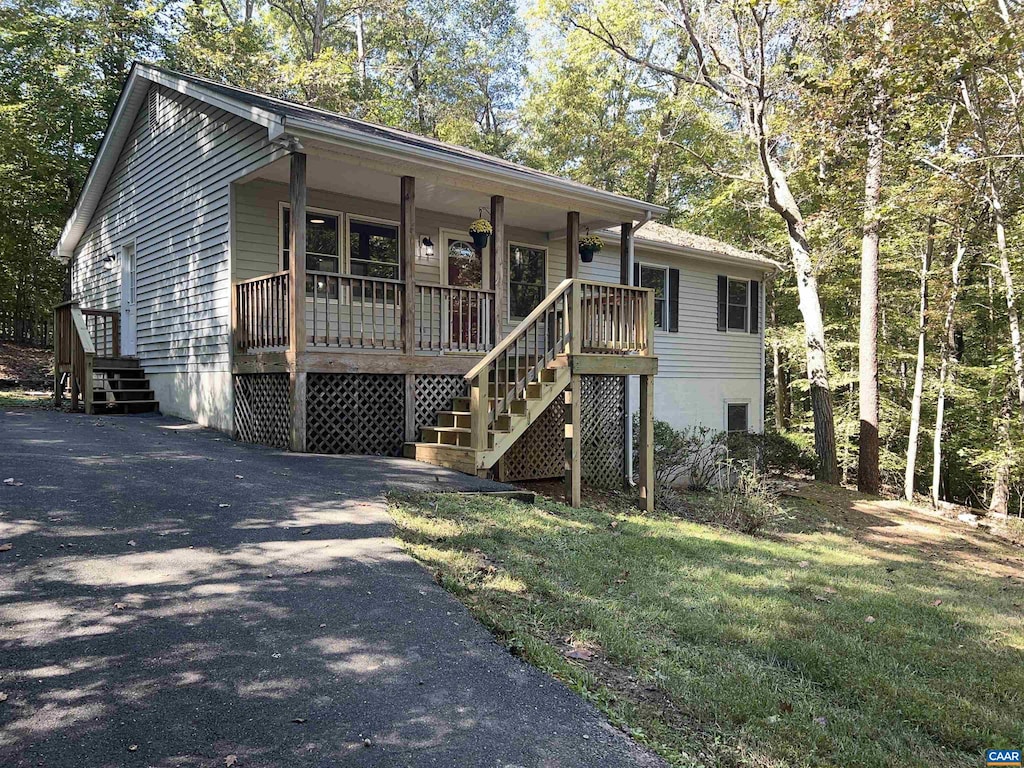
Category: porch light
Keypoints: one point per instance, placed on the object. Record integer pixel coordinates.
(428, 248)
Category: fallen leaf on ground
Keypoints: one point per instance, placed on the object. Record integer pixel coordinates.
(831, 590)
(131, 542)
(804, 564)
(132, 747)
(120, 606)
(785, 707)
(299, 720)
(869, 619)
(223, 505)
(230, 760)
(12, 481)
(3, 696)
(937, 603)
(5, 547)
(307, 531)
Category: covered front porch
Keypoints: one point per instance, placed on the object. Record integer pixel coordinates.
(381, 280)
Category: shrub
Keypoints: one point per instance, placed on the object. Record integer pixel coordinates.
(691, 455)
(748, 505)
(773, 452)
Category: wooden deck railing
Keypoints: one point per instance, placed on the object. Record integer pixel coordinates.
(451, 318)
(73, 353)
(105, 330)
(579, 316)
(353, 312)
(261, 312)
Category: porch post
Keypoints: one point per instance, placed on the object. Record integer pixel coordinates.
(408, 256)
(297, 299)
(572, 240)
(499, 266)
(647, 442)
(573, 442)
(626, 278)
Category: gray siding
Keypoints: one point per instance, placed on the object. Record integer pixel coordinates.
(169, 193)
(699, 349)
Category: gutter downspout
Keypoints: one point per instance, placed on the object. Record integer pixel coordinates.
(627, 385)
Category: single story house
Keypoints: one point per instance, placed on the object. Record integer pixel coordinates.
(314, 282)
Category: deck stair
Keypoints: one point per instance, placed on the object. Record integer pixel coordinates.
(449, 442)
(120, 386)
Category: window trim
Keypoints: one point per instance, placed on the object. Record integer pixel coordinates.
(725, 414)
(508, 283)
(746, 315)
(369, 220)
(665, 303)
(456, 234)
(283, 206)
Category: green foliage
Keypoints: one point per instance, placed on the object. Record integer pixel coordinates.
(746, 504)
(691, 456)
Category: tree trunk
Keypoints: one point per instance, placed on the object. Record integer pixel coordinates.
(945, 375)
(1000, 501)
(922, 328)
(360, 47)
(781, 199)
(1008, 287)
(778, 374)
(318, 28)
(868, 478)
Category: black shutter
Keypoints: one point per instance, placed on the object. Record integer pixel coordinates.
(755, 306)
(723, 300)
(636, 275)
(673, 300)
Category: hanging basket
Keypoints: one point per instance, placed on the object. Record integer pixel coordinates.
(589, 245)
(480, 239)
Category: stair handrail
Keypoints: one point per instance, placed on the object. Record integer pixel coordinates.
(482, 414)
(75, 345)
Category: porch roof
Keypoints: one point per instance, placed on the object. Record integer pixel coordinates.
(287, 121)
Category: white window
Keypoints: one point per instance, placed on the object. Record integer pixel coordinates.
(737, 418)
(739, 304)
(657, 278)
(373, 248)
(527, 278)
(323, 247)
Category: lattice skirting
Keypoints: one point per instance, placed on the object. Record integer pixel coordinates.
(261, 409)
(434, 393)
(355, 413)
(603, 451)
(540, 452)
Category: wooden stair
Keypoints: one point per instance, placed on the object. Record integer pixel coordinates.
(448, 443)
(120, 386)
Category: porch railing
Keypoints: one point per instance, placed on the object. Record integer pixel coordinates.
(104, 326)
(261, 312)
(454, 318)
(74, 353)
(365, 313)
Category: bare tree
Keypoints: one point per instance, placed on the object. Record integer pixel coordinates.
(737, 52)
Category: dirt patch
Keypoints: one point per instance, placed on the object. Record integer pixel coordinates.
(24, 366)
(897, 526)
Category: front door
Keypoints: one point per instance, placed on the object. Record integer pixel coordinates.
(465, 270)
(128, 300)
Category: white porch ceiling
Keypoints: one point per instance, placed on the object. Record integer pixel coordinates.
(329, 174)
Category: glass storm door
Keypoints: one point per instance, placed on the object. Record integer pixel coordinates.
(128, 329)
(465, 270)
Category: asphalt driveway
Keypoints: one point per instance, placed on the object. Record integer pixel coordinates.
(173, 598)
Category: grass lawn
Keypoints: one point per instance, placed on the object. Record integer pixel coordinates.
(716, 648)
(11, 398)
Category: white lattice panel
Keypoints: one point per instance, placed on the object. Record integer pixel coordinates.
(261, 409)
(355, 413)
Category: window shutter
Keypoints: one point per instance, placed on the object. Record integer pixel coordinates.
(755, 306)
(723, 299)
(673, 300)
(636, 275)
